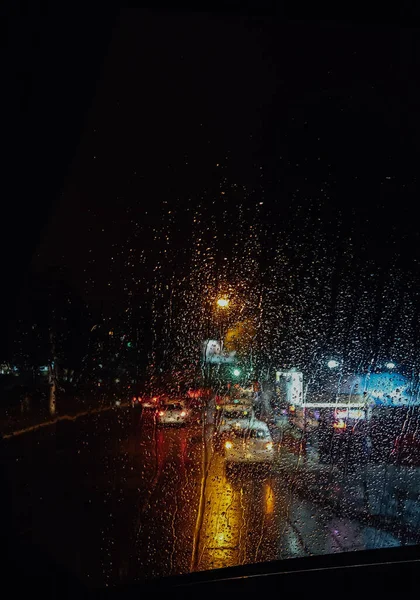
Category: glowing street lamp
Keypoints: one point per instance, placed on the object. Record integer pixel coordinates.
(390, 365)
(333, 364)
(223, 302)
(236, 372)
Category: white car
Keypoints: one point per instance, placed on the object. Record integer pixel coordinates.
(172, 413)
(233, 417)
(235, 412)
(249, 445)
(244, 400)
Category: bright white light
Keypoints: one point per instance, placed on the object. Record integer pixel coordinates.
(236, 372)
(223, 302)
(390, 365)
(332, 364)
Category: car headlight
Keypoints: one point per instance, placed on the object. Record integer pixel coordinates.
(228, 445)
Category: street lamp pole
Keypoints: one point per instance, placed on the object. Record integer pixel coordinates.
(223, 306)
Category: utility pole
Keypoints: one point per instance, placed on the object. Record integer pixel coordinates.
(52, 378)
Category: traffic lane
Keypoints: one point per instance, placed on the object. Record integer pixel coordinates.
(76, 489)
(121, 498)
(296, 510)
(84, 488)
(239, 524)
(299, 509)
(167, 518)
(236, 511)
(342, 505)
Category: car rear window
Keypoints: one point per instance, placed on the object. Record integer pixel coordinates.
(256, 434)
(236, 414)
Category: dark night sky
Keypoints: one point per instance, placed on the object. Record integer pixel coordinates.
(329, 112)
(307, 114)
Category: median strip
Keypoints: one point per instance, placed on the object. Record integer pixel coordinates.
(62, 418)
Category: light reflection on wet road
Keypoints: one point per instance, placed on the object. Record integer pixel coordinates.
(114, 498)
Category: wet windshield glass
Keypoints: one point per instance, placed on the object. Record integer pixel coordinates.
(233, 225)
(236, 414)
(254, 434)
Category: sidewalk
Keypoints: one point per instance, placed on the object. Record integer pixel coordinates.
(382, 495)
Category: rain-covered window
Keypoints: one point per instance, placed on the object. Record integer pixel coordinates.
(256, 434)
(235, 414)
(231, 252)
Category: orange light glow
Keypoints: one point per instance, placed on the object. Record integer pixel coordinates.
(161, 413)
(340, 424)
(228, 445)
(183, 413)
(269, 500)
(269, 445)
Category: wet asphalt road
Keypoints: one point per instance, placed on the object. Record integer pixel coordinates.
(113, 498)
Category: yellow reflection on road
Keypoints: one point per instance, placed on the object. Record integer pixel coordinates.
(221, 532)
(269, 499)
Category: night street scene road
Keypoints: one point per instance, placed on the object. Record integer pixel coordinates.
(211, 310)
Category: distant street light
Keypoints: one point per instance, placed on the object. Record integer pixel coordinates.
(390, 365)
(223, 302)
(333, 364)
(236, 372)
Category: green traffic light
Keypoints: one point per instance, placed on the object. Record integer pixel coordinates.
(129, 344)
